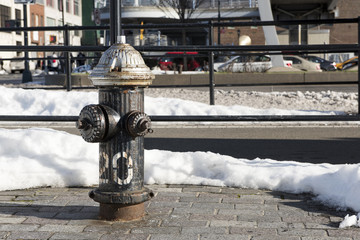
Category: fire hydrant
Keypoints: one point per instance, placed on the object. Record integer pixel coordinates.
(119, 124)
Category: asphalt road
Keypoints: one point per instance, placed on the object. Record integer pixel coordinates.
(314, 144)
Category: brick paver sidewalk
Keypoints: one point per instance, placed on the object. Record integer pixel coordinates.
(176, 212)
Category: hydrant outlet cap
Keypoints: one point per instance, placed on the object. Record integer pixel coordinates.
(121, 65)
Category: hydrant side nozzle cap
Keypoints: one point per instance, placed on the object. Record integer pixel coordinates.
(121, 65)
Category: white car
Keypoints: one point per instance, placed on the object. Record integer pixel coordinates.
(19, 65)
(251, 63)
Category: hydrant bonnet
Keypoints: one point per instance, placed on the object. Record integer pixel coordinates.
(121, 65)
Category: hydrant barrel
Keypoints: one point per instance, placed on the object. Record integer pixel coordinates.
(119, 124)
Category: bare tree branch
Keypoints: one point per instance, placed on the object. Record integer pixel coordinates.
(183, 8)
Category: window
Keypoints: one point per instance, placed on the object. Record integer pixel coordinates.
(50, 3)
(77, 33)
(50, 22)
(60, 5)
(76, 7)
(5, 15)
(32, 23)
(68, 9)
(19, 54)
(18, 20)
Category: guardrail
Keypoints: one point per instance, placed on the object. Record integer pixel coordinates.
(209, 49)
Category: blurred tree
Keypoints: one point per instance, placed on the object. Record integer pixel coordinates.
(184, 10)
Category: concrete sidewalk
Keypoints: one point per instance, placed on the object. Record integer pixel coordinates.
(176, 212)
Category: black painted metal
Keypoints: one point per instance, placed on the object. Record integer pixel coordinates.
(67, 60)
(198, 118)
(319, 48)
(358, 53)
(211, 67)
(255, 118)
(26, 75)
(122, 156)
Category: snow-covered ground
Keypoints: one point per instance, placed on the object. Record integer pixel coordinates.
(44, 157)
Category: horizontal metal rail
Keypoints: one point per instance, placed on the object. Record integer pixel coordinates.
(196, 48)
(198, 118)
(187, 25)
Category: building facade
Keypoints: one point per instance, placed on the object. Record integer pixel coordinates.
(42, 13)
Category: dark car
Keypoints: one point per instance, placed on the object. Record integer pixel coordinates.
(325, 65)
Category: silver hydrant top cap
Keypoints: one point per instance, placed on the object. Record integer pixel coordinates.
(121, 65)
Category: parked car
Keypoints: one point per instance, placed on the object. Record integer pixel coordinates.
(302, 64)
(348, 63)
(244, 63)
(19, 65)
(325, 65)
(172, 59)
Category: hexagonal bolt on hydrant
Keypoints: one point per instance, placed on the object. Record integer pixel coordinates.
(119, 124)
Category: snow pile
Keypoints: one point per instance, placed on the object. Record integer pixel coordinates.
(45, 157)
(44, 102)
(350, 221)
(321, 101)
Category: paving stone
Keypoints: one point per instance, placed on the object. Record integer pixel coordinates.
(156, 230)
(267, 224)
(117, 236)
(77, 215)
(276, 238)
(202, 189)
(244, 224)
(193, 210)
(241, 212)
(254, 206)
(183, 223)
(61, 228)
(201, 200)
(224, 237)
(213, 205)
(210, 217)
(348, 232)
(258, 217)
(18, 227)
(174, 237)
(106, 229)
(204, 230)
(176, 212)
(29, 235)
(169, 204)
(310, 225)
(11, 220)
(238, 200)
(303, 232)
(254, 231)
(43, 221)
(3, 235)
(325, 238)
(78, 236)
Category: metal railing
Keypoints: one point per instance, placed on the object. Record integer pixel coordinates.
(209, 50)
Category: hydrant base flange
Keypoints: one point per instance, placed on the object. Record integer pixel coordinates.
(124, 197)
(116, 212)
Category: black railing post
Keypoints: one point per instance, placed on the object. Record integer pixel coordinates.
(358, 53)
(26, 75)
(67, 60)
(113, 21)
(211, 66)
